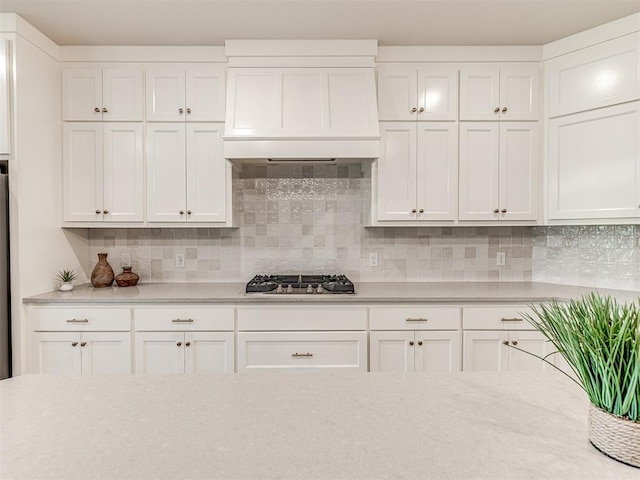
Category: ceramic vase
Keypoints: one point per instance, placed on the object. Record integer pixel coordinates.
(127, 278)
(65, 287)
(102, 274)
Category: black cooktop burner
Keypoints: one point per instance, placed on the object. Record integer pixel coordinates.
(300, 284)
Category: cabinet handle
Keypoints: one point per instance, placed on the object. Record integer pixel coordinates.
(411, 344)
(304, 355)
(514, 342)
(421, 210)
(504, 109)
(414, 110)
(514, 319)
(188, 111)
(505, 342)
(105, 211)
(98, 211)
(504, 210)
(182, 320)
(187, 344)
(413, 210)
(496, 110)
(496, 210)
(419, 319)
(97, 110)
(82, 344)
(74, 344)
(181, 212)
(420, 343)
(180, 111)
(78, 320)
(188, 212)
(421, 110)
(179, 344)
(104, 110)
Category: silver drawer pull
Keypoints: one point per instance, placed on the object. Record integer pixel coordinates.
(182, 320)
(419, 319)
(78, 320)
(515, 319)
(302, 354)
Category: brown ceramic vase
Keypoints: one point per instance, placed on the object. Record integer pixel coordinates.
(102, 274)
(127, 278)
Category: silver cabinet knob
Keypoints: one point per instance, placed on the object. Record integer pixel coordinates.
(73, 344)
(187, 344)
(104, 110)
(514, 342)
(420, 343)
(504, 109)
(421, 110)
(181, 212)
(505, 342)
(105, 211)
(82, 344)
(504, 210)
(188, 111)
(179, 344)
(421, 210)
(411, 344)
(413, 210)
(188, 212)
(496, 110)
(98, 211)
(180, 111)
(97, 110)
(414, 110)
(496, 210)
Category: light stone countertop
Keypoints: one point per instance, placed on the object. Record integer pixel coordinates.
(336, 425)
(366, 292)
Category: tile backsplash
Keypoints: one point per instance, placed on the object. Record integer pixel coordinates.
(299, 218)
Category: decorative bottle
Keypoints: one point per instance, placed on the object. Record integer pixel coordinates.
(102, 274)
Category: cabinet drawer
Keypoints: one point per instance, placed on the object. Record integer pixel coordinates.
(414, 318)
(496, 318)
(188, 318)
(80, 319)
(317, 317)
(311, 351)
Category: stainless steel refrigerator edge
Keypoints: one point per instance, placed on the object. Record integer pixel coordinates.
(5, 330)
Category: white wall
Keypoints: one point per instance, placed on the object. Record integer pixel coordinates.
(39, 248)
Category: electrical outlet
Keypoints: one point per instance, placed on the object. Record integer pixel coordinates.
(373, 259)
(126, 259)
(501, 259)
(179, 260)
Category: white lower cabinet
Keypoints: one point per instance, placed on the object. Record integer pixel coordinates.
(189, 339)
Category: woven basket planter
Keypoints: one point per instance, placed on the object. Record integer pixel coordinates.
(614, 436)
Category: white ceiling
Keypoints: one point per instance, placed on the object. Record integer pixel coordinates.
(392, 22)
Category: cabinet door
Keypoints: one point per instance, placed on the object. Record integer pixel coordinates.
(397, 92)
(485, 351)
(123, 172)
(159, 352)
(437, 171)
(254, 101)
(479, 92)
(106, 352)
(5, 99)
(519, 171)
(122, 95)
(208, 352)
(437, 351)
(396, 172)
(82, 94)
(533, 342)
(55, 352)
(166, 172)
(165, 95)
(204, 94)
(437, 92)
(594, 164)
(479, 171)
(82, 166)
(391, 351)
(206, 173)
(520, 92)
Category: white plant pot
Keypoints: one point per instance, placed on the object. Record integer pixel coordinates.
(66, 287)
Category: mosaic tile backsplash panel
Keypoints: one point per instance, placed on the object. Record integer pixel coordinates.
(296, 218)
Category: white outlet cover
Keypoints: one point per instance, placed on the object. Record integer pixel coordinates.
(501, 259)
(373, 259)
(179, 260)
(126, 259)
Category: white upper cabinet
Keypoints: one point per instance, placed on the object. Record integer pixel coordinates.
(192, 94)
(604, 74)
(499, 171)
(594, 164)
(300, 102)
(103, 172)
(102, 94)
(5, 99)
(186, 173)
(500, 92)
(417, 171)
(417, 92)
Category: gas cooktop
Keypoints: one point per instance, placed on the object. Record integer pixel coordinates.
(290, 284)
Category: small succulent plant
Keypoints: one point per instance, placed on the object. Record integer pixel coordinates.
(66, 275)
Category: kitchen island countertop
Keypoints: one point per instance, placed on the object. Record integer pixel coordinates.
(366, 292)
(326, 426)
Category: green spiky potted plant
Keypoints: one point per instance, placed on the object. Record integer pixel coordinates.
(66, 277)
(600, 340)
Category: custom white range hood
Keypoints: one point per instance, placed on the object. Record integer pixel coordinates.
(301, 100)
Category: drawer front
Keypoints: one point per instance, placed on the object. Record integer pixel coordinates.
(316, 317)
(188, 318)
(414, 318)
(496, 318)
(302, 351)
(79, 319)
